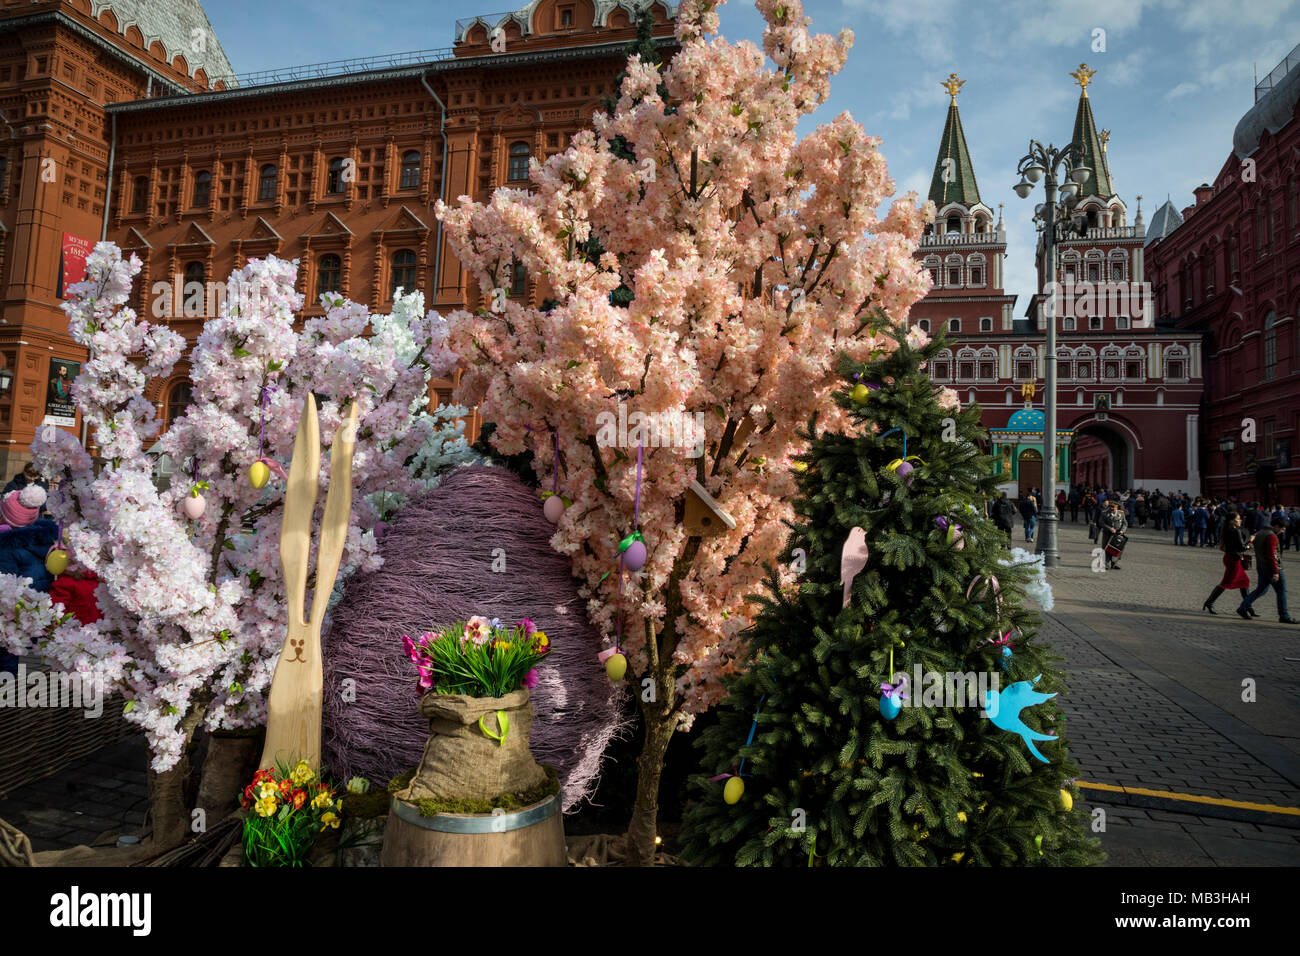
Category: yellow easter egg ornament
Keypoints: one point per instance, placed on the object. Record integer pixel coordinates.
(56, 562)
(733, 790)
(962, 816)
(616, 667)
(258, 474)
(1067, 801)
(860, 393)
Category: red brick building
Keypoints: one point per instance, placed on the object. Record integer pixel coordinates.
(126, 122)
(1128, 388)
(1229, 268)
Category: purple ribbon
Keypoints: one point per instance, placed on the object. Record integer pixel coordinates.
(896, 690)
(261, 442)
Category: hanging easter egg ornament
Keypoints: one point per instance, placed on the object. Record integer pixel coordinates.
(555, 502)
(733, 790)
(194, 504)
(1067, 800)
(259, 473)
(892, 697)
(554, 507)
(633, 550)
(56, 561)
(616, 667)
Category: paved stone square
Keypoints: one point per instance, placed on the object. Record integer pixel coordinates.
(1156, 702)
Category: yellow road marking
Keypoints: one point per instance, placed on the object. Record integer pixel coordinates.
(1192, 798)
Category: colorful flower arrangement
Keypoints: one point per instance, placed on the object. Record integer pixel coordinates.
(478, 657)
(290, 809)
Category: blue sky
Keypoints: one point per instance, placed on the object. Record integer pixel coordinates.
(1172, 82)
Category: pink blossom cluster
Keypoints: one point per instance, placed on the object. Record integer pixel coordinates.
(195, 610)
(756, 259)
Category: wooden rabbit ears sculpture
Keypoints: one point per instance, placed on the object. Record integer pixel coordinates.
(293, 719)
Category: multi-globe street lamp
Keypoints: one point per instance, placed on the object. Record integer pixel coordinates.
(1043, 162)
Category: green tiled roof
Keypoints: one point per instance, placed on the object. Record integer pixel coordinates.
(961, 186)
(1094, 157)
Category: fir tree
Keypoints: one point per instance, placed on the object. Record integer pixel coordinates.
(827, 778)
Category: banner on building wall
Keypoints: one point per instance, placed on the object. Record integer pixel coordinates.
(59, 409)
(73, 262)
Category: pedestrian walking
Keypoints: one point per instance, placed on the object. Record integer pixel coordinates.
(1075, 498)
(1270, 574)
(1029, 513)
(1004, 515)
(1236, 554)
(1179, 521)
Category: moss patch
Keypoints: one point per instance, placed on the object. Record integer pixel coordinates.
(506, 801)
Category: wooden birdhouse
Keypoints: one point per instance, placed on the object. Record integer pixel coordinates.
(704, 517)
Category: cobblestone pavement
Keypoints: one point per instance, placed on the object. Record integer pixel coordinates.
(90, 802)
(1156, 702)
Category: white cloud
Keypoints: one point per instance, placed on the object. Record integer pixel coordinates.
(1186, 88)
(927, 25)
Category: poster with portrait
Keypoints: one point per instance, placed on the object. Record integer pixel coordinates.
(59, 409)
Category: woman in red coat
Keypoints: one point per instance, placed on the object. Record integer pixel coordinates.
(1235, 544)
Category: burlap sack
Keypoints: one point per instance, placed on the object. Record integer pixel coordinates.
(462, 762)
(15, 848)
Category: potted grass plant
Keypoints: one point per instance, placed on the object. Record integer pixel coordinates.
(475, 677)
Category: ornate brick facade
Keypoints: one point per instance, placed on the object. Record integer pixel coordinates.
(1128, 388)
(197, 172)
(1229, 268)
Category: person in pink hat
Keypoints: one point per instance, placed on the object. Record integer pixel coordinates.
(25, 539)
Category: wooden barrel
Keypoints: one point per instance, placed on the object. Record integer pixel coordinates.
(533, 836)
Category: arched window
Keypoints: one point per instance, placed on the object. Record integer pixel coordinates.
(334, 182)
(519, 156)
(266, 183)
(924, 325)
(179, 397)
(403, 271)
(202, 188)
(1270, 346)
(410, 170)
(977, 270)
(140, 195)
(954, 224)
(328, 273)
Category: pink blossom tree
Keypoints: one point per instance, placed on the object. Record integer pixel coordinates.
(194, 609)
(752, 261)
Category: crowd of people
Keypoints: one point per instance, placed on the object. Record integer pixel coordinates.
(1246, 531)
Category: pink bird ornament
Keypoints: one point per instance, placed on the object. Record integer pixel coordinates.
(852, 560)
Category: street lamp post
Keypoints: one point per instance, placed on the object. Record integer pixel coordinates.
(1042, 163)
(1226, 445)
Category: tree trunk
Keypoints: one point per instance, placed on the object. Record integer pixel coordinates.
(660, 723)
(169, 803)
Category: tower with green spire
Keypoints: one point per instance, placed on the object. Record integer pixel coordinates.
(1098, 246)
(963, 250)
